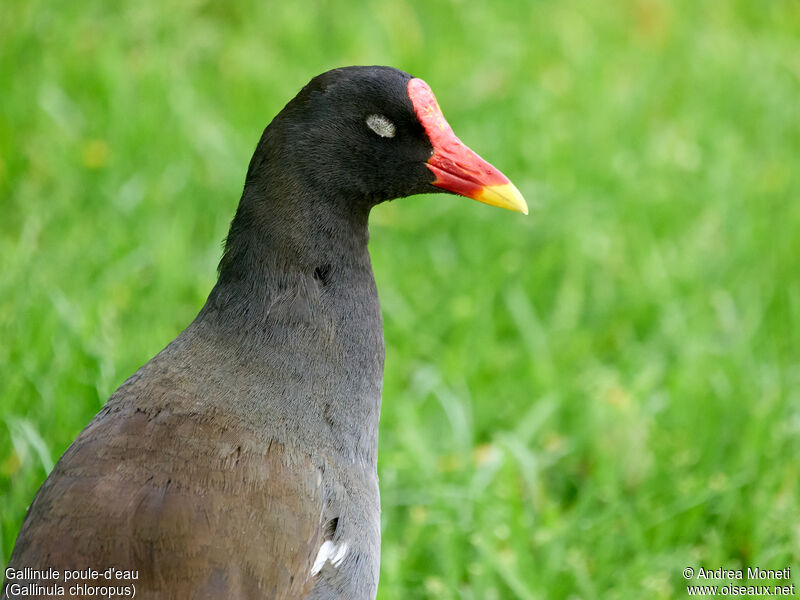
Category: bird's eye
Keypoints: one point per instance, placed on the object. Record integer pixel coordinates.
(381, 125)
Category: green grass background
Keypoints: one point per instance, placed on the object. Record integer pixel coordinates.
(577, 404)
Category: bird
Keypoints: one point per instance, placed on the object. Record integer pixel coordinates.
(241, 460)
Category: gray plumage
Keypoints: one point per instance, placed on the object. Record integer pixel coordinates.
(224, 465)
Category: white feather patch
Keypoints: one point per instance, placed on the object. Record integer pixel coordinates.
(329, 552)
(381, 125)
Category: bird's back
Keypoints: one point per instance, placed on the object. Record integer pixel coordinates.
(198, 510)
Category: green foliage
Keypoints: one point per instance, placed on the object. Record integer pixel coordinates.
(577, 404)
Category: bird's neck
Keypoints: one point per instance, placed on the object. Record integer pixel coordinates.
(295, 320)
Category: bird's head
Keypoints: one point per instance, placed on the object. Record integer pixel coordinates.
(372, 134)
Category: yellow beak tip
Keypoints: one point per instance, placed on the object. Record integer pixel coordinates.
(503, 196)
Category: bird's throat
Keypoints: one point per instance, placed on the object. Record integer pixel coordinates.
(296, 316)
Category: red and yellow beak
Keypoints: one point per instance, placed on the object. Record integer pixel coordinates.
(457, 168)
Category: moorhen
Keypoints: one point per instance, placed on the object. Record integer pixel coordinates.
(240, 462)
